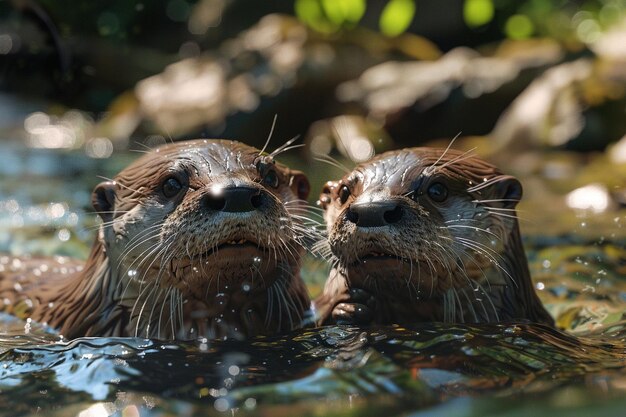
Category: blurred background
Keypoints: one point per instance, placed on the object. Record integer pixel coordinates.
(536, 86)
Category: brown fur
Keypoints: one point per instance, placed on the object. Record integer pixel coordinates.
(157, 269)
(457, 260)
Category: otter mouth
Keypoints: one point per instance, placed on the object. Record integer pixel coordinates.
(236, 245)
(379, 256)
(241, 243)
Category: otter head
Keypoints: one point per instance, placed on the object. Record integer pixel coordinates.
(428, 232)
(204, 228)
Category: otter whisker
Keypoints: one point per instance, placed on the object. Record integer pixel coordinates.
(143, 279)
(460, 309)
(483, 250)
(288, 148)
(474, 228)
(445, 151)
(146, 236)
(284, 146)
(493, 306)
(507, 216)
(150, 290)
(495, 200)
(269, 136)
(327, 159)
(131, 267)
(485, 184)
(120, 184)
(462, 157)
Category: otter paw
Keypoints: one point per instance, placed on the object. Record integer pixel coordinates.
(358, 310)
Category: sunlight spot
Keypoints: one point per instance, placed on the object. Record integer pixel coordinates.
(617, 153)
(130, 411)
(217, 189)
(6, 44)
(99, 148)
(221, 404)
(588, 31)
(361, 149)
(96, 410)
(593, 197)
(64, 235)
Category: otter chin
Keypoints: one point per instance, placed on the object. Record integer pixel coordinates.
(426, 234)
(201, 238)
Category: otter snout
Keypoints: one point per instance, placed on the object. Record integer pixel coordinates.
(236, 199)
(374, 213)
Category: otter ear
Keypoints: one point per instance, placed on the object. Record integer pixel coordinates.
(299, 183)
(509, 190)
(326, 195)
(103, 200)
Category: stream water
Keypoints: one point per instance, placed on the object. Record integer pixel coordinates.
(509, 369)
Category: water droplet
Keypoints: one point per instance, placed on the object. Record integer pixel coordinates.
(233, 370)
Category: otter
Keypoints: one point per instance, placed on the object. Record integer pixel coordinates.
(425, 234)
(201, 238)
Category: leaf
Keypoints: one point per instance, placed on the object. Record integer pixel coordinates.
(478, 12)
(396, 17)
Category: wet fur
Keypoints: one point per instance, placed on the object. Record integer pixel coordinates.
(463, 258)
(151, 272)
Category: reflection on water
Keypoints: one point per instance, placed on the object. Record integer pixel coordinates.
(333, 368)
(428, 368)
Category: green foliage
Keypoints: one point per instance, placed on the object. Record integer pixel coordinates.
(341, 12)
(396, 17)
(332, 15)
(311, 13)
(519, 26)
(478, 12)
(559, 19)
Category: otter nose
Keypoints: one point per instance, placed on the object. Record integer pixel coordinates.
(233, 199)
(375, 213)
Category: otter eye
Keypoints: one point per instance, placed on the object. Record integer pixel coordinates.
(437, 192)
(271, 179)
(344, 194)
(171, 187)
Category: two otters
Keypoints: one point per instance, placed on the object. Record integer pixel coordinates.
(205, 238)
